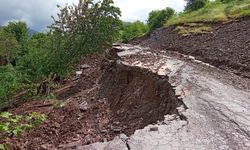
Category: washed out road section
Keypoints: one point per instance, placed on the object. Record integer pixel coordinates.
(216, 105)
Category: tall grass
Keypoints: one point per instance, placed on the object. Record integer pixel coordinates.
(213, 12)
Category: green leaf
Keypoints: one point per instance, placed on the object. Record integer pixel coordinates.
(3, 147)
(5, 115)
(27, 118)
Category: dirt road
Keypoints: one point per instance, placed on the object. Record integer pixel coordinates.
(216, 108)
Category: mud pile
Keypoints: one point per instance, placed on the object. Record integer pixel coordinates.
(226, 47)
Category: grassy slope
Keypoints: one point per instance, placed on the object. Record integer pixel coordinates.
(214, 12)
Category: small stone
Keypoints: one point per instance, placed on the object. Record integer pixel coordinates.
(117, 130)
(105, 140)
(104, 131)
(46, 147)
(84, 106)
(78, 73)
(153, 129)
(116, 123)
(57, 125)
(85, 66)
(43, 147)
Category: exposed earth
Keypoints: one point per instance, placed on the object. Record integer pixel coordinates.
(144, 97)
(227, 46)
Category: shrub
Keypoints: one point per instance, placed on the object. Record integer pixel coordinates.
(157, 18)
(81, 29)
(14, 125)
(9, 47)
(193, 5)
(131, 30)
(10, 83)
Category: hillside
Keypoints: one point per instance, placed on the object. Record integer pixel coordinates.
(214, 12)
(225, 45)
(182, 82)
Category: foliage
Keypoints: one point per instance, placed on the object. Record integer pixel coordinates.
(21, 33)
(157, 18)
(193, 5)
(14, 125)
(10, 83)
(9, 47)
(213, 12)
(78, 30)
(34, 63)
(81, 29)
(130, 30)
(3, 147)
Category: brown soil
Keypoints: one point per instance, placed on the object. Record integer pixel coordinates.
(227, 47)
(137, 97)
(122, 100)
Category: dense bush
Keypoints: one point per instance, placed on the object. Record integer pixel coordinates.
(130, 30)
(9, 47)
(21, 32)
(78, 30)
(157, 18)
(193, 5)
(10, 83)
(81, 29)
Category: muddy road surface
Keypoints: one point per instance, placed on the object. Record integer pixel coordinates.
(215, 113)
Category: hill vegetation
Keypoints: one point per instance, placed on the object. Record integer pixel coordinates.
(29, 66)
(213, 11)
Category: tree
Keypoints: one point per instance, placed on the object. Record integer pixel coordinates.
(81, 29)
(9, 47)
(131, 30)
(158, 18)
(21, 33)
(193, 5)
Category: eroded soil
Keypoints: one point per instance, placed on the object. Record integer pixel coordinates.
(108, 99)
(226, 47)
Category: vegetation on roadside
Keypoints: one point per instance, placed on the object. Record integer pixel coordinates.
(14, 125)
(130, 30)
(158, 18)
(213, 11)
(32, 63)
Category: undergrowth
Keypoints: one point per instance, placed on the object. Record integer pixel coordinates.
(14, 125)
(213, 12)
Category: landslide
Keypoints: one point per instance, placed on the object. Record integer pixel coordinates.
(137, 97)
(108, 99)
(226, 47)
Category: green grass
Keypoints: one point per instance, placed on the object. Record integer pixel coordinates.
(213, 12)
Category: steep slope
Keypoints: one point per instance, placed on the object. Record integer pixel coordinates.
(226, 46)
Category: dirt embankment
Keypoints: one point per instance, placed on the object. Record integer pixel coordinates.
(108, 99)
(226, 47)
